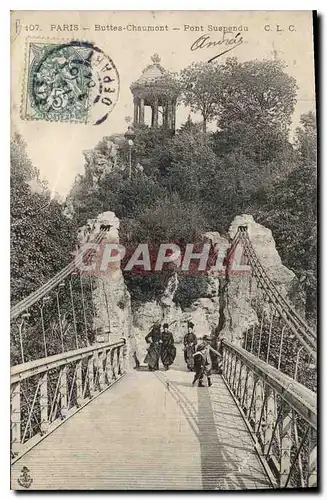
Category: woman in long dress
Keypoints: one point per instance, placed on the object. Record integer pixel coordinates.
(168, 349)
(154, 339)
(190, 342)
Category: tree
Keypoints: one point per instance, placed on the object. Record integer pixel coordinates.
(289, 209)
(41, 236)
(188, 161)
(257, 92)
(257, 99)
(171, 220)
(200, 83)
(41, 244)
(306, 139)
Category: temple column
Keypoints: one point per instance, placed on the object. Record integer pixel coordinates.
(165, 116)
(152, 116)
(155, 113)
(141, 118)
(136, 110)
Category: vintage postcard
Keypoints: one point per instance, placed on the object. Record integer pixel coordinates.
(163, 250)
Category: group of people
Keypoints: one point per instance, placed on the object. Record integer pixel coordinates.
(200, 357)
(162, 346)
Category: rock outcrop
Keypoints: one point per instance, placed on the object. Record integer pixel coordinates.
(240, 294)
(111, 299)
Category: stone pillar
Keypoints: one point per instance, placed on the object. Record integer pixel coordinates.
(136, 110)
(155, 113)
(141, 115)
(111, 300)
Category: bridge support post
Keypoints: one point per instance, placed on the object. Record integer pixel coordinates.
(99, 362)
(90, 369)
(108, 367)
(233, 374)
(63, 392)
(258, 404)
(270, 419)
(79, 384)
(312, 473)
(245, 388)
(238, 380)
(229, 361)
(44, 404)
(285, 452)
(16, 419)
(250, 395)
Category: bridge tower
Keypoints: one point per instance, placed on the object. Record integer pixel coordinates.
(157, 90)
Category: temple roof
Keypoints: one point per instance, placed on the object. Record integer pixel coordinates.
(155, 80)
(152, 72)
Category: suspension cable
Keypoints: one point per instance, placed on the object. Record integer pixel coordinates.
(31, 299)
(297, 325)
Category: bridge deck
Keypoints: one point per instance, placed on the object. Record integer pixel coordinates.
(149, 431)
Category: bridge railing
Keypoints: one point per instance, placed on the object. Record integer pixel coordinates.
(47, 391)
(280, 414)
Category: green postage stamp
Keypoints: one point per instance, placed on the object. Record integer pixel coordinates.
(69, 82)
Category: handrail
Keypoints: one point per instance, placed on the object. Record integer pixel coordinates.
(280, 414)
(45, 392)
(31, 368)
(299, 397)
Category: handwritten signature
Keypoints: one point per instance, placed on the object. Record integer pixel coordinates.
(230, 43)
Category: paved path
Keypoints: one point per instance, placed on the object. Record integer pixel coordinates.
(150, 431)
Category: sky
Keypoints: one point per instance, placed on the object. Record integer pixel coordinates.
(56, 149)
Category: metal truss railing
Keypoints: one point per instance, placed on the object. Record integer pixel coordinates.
(280, 414)
(45, 392)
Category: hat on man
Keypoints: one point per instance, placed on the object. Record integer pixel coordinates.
(165, 325)
(190, 324)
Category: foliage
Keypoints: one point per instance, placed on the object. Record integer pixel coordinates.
(306, 139)
(41, 236)
(260, 93)
(257, 101)
(289, 209)
(200, 83)
(189, 289)
(41, 244)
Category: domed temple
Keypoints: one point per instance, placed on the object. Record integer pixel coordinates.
(156, 89)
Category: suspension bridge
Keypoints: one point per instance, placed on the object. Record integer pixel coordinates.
(82, 418)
